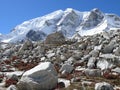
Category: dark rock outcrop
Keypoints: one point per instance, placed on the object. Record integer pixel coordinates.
(55, 38)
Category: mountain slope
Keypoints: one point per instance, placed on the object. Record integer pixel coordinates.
(69, 22)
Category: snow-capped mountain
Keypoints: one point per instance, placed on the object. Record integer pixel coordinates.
(69, 22)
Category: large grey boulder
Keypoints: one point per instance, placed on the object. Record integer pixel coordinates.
(63, 58)
(92, 72)
(41, 77)
(66, 68)
(107, 61)
(91, 63)
(106, 35)
(70, 60)
(104, 64)
(103, 86)
(55, 38)
(83, 46)
(94, 53)
(109, 48)
(77, 55)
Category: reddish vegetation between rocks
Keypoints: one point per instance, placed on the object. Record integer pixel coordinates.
(9, 82)
(19, 64)
(111, 75)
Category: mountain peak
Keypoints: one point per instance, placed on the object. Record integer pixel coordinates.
(96, 10)
(69, 10)
(69, 22)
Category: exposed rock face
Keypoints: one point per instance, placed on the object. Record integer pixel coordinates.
(103, 86)
(68, 23)
(41, 77)
(35, 35)
(55, 38)
(94, 18)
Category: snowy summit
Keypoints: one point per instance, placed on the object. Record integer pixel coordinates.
(69, 22)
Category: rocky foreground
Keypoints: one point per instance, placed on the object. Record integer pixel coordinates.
(89, 63)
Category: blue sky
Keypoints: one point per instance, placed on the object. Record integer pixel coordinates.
(14, 12)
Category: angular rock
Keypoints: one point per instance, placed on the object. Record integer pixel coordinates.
(70, 60)
(77, 55)
(55, 38)
(117, 51)
(67, 68)
(108, 48)
(35, 35)
(41, 77)
(50, 55)
(117, 70)
(104, 64)
(83, 46)
(94, 53)
(63, 57)
(91, 63)
(92, 72)
(98, 47)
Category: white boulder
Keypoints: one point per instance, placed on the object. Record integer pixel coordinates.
(41, 77)
(104, 64)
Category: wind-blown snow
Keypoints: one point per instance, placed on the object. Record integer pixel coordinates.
(69, 22)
